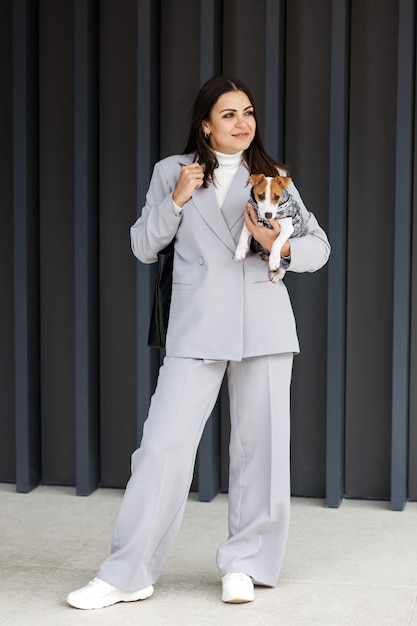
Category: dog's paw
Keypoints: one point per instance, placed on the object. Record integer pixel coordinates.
(274, 261)
(274, 277)
(240, 254)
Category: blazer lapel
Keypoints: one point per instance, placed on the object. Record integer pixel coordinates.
(206, 204)
(224, 222)
(236, 198)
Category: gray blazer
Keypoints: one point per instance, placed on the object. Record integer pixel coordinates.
(220, 309)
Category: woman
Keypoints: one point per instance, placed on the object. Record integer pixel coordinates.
(225, 316)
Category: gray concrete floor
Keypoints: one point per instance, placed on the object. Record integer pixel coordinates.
(356, 565)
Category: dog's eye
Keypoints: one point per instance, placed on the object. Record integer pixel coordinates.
(261, 196)
(276, 197)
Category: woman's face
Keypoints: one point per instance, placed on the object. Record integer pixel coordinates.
(232, 124)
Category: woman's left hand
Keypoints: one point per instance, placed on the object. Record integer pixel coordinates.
(264, 236)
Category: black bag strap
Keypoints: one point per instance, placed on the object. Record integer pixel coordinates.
(162, 298)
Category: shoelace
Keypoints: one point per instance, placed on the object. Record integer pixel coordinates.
(96, 582)
(238, 576)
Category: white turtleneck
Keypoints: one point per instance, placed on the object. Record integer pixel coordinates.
(223, 176)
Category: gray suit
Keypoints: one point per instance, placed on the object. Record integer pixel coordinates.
(225, 317)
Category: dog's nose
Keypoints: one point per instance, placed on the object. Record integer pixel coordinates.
(268, 215)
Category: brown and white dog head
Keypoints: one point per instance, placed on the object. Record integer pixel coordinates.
(267, 192)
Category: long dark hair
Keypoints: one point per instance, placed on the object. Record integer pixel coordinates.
(256, 157)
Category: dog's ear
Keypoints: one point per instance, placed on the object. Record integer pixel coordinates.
(255, 179)
(284, 181)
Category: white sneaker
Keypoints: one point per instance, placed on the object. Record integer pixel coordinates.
(237, 588)
(98, 594)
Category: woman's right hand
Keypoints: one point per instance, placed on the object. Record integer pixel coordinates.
(191, 177)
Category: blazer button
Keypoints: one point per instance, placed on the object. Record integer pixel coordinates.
(200, 260)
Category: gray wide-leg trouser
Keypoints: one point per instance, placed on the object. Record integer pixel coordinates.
(259, 484)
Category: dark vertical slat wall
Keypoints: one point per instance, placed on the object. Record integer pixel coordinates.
(210, 38)
(307, 109)
(56, 239)
(179, 79)
(7, 410)
(117, 200)
(93, 93)
(402, 253)
(372, 127)
(412, 446)
(336, 299)
(274, 87)
(25, 210)
(86, 245)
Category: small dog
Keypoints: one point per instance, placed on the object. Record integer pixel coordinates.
(270, 198)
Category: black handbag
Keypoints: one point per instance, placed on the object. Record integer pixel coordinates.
(162, 298)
